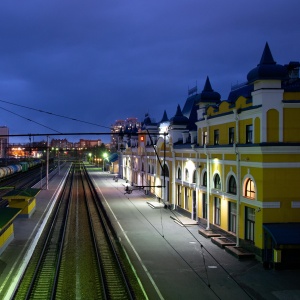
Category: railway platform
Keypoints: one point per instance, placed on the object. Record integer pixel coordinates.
(170, 257)
(174, 261)
(26, 233)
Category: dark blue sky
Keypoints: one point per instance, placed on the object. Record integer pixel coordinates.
(99, 61)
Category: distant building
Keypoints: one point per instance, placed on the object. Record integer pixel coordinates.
(61, 143)
(123, 126)
(4, 140)
(89, 143)
(65, 144)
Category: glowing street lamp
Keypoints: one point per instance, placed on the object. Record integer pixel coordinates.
(104, 157)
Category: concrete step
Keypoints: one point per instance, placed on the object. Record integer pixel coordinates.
(222, 242)
(239, 252)
(208, 233)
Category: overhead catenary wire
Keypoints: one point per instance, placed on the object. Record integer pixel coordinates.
(202, 248)
(30, 120)
(212, 256)
(180, 255)
(53, 114)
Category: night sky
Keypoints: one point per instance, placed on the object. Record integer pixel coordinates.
(98, 61)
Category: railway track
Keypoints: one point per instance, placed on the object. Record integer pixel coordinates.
(78, 256)
(25, 179)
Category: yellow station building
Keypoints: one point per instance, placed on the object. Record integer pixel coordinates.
(232, 165)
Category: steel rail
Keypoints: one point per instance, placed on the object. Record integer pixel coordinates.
(92, 228)
(108, 232)
(34, 275)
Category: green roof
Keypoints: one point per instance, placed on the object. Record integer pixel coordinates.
(7, 215)
(26, 193)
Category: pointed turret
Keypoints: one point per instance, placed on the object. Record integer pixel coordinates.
(179, 118)
(267, 69)
(164, 118)
(267, 57)
(208, 94)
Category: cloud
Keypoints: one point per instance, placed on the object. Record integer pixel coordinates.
(107, 60)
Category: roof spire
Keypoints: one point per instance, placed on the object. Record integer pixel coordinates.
(164, 118)
(267, 69)
(207, 86)
(208, 94)
(267, 58)
(178, 111)
(179, 118)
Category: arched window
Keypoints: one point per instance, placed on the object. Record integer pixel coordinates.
(179, 173)
(195, 177)
(149, 169)
(152, 171)
(187, 175)
(250, 189)
(205, 179)
(232, 185)
(165, 171)
(217, 182)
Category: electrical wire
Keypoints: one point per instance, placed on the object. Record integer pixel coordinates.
(54, 114)
(202, 247)
(29, 119)
(162, 235)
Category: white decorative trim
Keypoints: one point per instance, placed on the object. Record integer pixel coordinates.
(295, 204)
(216, 192)
(279, 165)
(271, 204)
(229, 196)
(261, 204)
(192, 185)
(282, 165)
(291, 105)
(251, 202)
(202, 189)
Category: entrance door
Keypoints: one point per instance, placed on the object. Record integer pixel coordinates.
(194, 206)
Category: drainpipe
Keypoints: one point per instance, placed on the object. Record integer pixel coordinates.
(196, 183)
(238, 197)
(208, 189)
(237, 135)
(208, 173)
(238, 175)
(173, 179)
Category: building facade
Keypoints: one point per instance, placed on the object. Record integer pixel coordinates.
(121, 126)
(4, 141)
(232, 165)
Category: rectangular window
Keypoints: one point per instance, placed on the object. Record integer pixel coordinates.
(205, 179)
(195, 217)
(217, 211)
(232, 217)
(249, 223)
(231, 135)
(204, 138)
(179, 195)
(249, 134)
(204, 206)
(186, 198)
(216, 137)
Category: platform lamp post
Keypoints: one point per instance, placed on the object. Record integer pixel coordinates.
(104, 157)
(120, 152)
